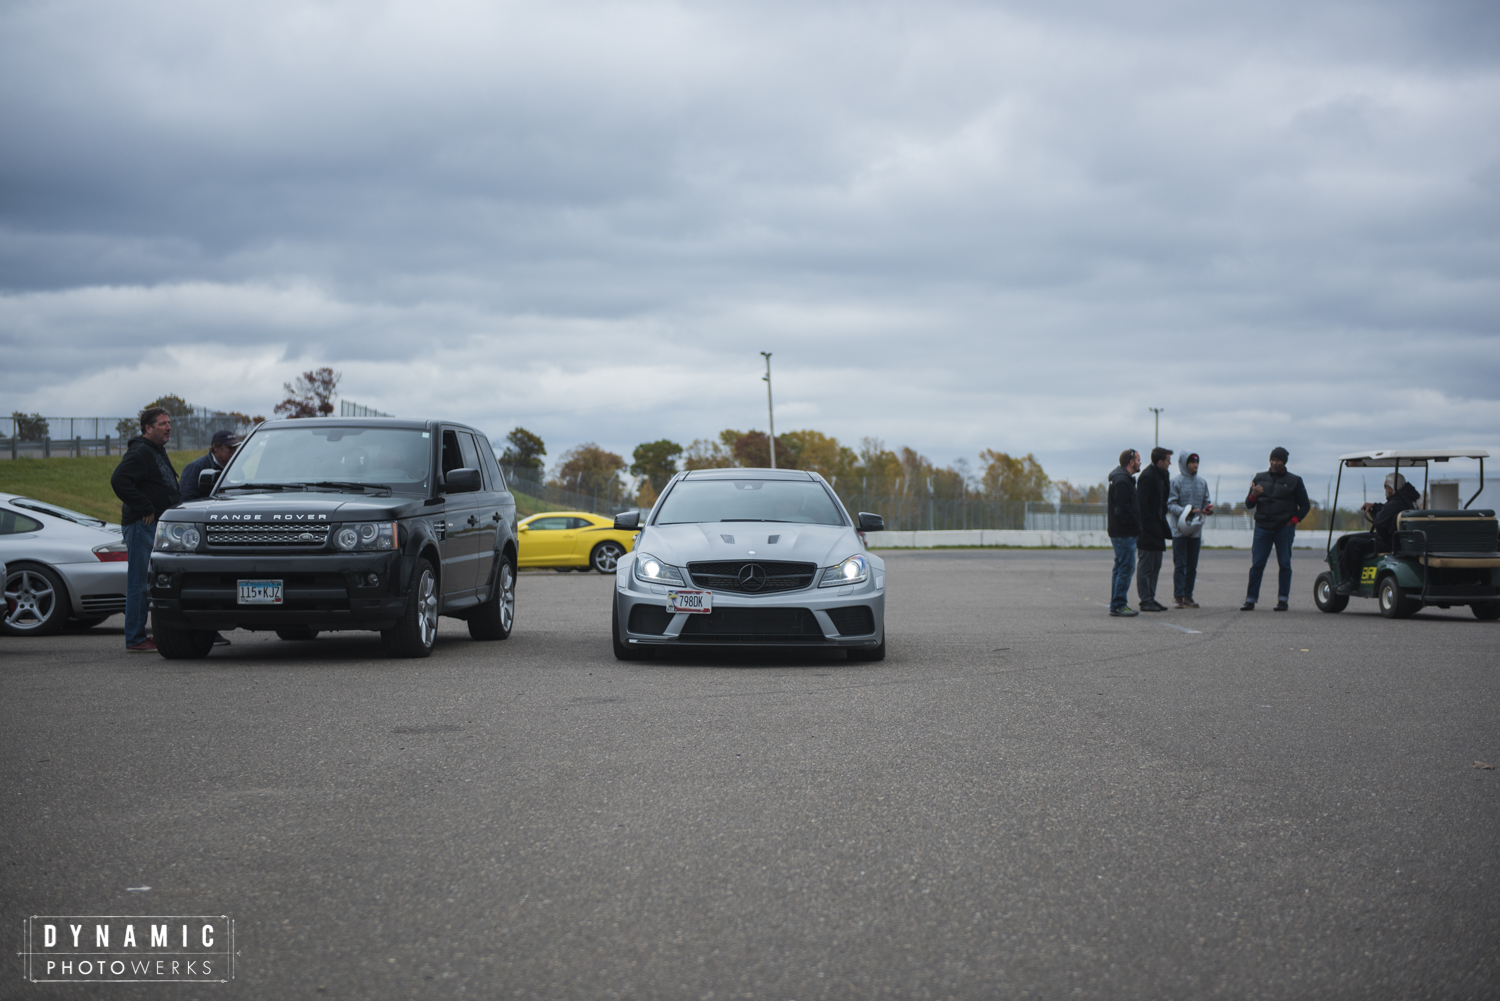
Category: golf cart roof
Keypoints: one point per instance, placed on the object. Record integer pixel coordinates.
(1410, 456)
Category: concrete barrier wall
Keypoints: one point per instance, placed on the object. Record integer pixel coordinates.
(1212, 538)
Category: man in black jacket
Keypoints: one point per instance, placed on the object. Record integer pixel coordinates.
(146, 483)
(1151, 491)
(1280, 502)
(220, 448)
(1124, 522)
(1357, 547)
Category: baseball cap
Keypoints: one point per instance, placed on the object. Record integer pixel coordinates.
(224, 438)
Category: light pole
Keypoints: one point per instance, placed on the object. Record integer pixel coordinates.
(770, 408)
(1157, 411)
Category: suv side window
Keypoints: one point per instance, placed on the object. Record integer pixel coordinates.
(491, 467)
(470, 452)
(453, 457)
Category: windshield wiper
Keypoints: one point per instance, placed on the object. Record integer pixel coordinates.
(350, 485)
(261, 486)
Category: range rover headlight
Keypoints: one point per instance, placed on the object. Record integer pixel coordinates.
(854, 570)
(653, 571)
(366, 535)
(177, 537)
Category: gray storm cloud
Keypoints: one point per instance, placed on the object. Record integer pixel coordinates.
(958, 226)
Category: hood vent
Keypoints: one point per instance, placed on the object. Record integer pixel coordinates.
(771, 540)
(728, 538)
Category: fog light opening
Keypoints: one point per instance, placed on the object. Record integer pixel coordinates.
(372, 579)
(163, 580)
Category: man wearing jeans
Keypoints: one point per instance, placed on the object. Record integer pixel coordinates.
(146, 483)
(1280, 502)
(1124, 522)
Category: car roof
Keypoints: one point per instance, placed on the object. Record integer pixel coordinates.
(740, 473)
(563, 514)
(411, 423)
(1410, 456)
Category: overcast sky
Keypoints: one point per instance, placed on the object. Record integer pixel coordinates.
(958, 226)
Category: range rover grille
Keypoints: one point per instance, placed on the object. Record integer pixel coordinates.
(234, 535)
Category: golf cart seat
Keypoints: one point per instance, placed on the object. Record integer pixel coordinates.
(1449, 538)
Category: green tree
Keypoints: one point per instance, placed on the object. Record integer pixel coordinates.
(657, 461)
(523, 449)
(1007, 478)
(311, 395)
(589, 469)
(29, 427)
(752, 449)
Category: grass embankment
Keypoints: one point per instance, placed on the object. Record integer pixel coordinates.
(83, 483)
(79, 483)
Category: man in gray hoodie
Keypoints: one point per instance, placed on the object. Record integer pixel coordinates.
(1187, 502)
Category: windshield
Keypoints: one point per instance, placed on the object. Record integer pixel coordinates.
(801, 501)
(381, 457)
(57, 512)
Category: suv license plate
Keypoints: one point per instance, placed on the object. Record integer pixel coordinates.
(697, 602)
(260, 592)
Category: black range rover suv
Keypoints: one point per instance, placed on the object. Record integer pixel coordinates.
(333, 523)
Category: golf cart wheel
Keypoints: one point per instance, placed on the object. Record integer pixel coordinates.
(1394, 604)
(1486, 611)
(1324, 597)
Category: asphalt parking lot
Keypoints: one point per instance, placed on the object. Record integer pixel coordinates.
(1028, 798)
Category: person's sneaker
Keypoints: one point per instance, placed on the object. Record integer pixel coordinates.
(1124, 610)
(1177, 602)
(1189, 603)
(220, 640)
(147, 645)
(1281, 606)
(1248, 606)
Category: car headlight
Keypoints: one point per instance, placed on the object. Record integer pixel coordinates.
(652, 570)
(177, 537)
(854, 570)
(367, 535)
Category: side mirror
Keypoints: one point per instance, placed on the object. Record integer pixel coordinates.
(461, 481)
(523, 528)
(871, 522)
(206, 480)
(628, 522)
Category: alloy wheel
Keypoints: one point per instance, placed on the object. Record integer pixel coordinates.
(35, 599)
(427, 608)
(507, 596)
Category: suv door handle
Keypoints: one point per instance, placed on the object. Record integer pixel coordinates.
(473, 521)
(495, 516)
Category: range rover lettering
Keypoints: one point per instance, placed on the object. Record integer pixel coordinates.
(325, 524)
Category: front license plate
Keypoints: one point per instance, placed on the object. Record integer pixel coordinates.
(697, 602)
(260, 592)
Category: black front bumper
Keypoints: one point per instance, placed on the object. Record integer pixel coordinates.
(325, 592)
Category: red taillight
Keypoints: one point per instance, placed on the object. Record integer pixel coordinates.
(111, 557)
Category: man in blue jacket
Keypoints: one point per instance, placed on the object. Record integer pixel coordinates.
(220, 448)
(1280, 502)
(1187, 502)
(1124, 523)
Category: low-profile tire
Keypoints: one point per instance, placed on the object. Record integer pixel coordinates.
(868, 653)
(1486, 611)
(297, 633)
(416, 632)
(1394, 604)
(181, 644)
(493, 619)
(606, 556)
(1324, 597)
(623, 651)
(41, 601)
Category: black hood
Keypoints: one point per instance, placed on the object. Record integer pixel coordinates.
(295, 507)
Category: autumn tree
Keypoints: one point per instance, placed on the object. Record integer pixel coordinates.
(589, 469)
(705, 453)
(1007, 478)
(1067, 493)
(657, 462)
(752, 449)
(818, 453)
(311, 395)
(523, 449)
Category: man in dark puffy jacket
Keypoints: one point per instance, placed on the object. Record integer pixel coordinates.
(1151, 492)
(1124, 521)
(146, 483)
(1357, 547)
(1280, 502)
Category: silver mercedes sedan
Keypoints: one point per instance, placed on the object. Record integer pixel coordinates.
(62, 567)
(749, 558)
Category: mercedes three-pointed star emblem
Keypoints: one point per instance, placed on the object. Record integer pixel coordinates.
(752, 577)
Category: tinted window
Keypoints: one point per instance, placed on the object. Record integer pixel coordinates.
(491, 467)
(394, 457)
(12, 523)
(470, 451)
(580, 523)
(694, 501)
(453, 456)
(549, 524)
(66, 514)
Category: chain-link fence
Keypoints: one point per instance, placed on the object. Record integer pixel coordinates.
(45, 437)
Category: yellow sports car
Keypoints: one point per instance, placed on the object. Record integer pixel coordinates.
(573, 540)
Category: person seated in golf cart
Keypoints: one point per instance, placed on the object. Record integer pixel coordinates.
(1357, 547)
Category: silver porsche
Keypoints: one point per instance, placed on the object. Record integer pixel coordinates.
(749, 558)
(62, 567)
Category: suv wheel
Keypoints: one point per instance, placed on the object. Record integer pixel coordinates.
(606, 556)
(181, 644)
(493, 619)
(415, 634)
(40, 599)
